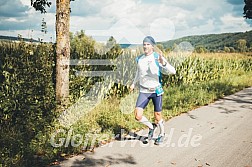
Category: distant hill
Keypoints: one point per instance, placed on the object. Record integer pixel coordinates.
(212, 41)
(10, 38)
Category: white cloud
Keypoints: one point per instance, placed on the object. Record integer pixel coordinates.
(89, 23)
(118, 9)
(237, 23)
(26, 2)
(162, 29)
(184, 17)
(122, 30)
(86, 8)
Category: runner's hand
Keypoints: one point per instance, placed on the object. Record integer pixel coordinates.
(132, 87)
(160, 58)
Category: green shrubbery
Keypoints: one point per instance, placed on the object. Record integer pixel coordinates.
(26, 97)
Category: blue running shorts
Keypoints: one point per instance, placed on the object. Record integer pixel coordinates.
(144, 98)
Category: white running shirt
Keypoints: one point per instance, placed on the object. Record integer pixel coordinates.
(147, 72)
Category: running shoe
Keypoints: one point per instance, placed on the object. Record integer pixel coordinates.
(151, 131)
(159, 140)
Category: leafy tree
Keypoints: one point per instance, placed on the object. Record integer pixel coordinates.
(20, 38)
(111, 42)
(40, 5)
(161, 47)
(247, 9)
(113, 48)
(241, 45)
(226, 49)
(62, 46)
(167, 50)
(82, 47)
(232, 50)
(200, 49)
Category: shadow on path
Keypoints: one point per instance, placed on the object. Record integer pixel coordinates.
(105, 161)
(133, 136)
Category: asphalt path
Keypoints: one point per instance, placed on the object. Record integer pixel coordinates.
(216, 135)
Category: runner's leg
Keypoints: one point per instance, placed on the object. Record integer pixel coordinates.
(157, 102)
(142, 102)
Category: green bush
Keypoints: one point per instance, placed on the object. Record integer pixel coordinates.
(26, 99)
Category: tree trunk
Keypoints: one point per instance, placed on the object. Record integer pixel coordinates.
(63, 52)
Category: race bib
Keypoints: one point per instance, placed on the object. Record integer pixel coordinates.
(159, 90)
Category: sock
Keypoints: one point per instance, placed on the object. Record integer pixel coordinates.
(146, 122)
(161, 126)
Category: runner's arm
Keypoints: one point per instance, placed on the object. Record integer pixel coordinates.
(167, 68)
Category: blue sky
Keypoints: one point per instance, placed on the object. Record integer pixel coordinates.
(129, 20)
